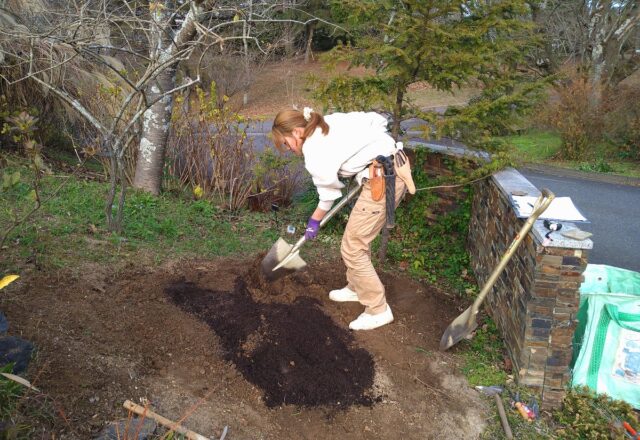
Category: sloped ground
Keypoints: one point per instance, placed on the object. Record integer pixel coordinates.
(208, 342)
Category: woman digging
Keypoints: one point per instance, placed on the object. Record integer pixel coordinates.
(344, 145)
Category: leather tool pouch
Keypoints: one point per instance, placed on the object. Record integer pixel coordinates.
(376, 180)
(403, 170)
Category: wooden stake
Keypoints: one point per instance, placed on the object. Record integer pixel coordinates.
(174, 426)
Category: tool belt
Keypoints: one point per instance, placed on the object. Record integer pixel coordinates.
(382, 179)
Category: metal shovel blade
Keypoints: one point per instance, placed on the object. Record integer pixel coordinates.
(278, 252)
(462, 326)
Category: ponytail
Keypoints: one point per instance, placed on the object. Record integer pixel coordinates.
(287, 120)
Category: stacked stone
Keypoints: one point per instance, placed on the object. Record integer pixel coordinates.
(436, 165)
(555, 299)
(535, 301)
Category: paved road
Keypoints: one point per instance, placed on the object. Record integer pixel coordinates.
(612, 209)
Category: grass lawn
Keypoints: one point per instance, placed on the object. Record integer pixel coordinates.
(541, 147)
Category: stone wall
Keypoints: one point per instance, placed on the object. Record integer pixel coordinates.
(535, 301)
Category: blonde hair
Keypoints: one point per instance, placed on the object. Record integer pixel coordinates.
(287, 120)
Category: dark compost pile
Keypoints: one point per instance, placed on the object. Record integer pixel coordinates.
(293, 352)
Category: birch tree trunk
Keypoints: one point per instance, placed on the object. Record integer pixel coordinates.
(609, 27)
(155, 131)
(165, 45)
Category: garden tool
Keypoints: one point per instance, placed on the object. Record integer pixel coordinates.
(173, 426)
(390, 202)
(389, 190)
(283, 259)
(495, 391)
(466, 323)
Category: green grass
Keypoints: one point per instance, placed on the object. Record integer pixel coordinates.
(71, 228)
(535, 146)
(483, 356)
(542, 147)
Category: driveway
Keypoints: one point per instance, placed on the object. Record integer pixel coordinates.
(613, 211)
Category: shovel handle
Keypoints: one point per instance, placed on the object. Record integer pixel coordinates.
(541, 204)
(338, 206)
(329, 215)
(346, 199)
(503, 417)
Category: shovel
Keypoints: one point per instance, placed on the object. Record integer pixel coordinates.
(464, 324)
(283, 259)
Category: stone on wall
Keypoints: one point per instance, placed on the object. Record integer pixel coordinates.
(535, 300)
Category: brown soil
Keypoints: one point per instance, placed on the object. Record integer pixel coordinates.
(285, 84)
(204, 341)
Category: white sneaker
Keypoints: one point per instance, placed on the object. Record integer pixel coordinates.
(368, 322)
(343, 295)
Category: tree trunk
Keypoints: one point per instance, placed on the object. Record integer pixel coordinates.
(395, 133)
(155, 131)
(246, 31)
(311, 27)
(539, 16)
(609, 27)
(397, 112)
(596, 35)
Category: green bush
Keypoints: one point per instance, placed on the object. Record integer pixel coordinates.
(435, 251)
(590, 416)
(577, 116)
(599, 166)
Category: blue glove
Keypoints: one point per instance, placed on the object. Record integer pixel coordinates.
(313, 226)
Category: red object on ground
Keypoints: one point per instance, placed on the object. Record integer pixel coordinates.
(631, 431)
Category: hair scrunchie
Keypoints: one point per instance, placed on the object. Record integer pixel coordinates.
(306, 112)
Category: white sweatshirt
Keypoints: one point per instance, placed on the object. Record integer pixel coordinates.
(353, 141)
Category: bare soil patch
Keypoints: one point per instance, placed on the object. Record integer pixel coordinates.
(203, 341)
(284, 84)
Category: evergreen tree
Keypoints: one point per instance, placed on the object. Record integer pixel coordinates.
(445, 43)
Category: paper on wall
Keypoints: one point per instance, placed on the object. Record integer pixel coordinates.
(561, 209)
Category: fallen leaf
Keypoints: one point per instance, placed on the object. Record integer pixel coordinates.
(20, 380)
(8, 279)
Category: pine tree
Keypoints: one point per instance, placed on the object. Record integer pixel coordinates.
(445, 43)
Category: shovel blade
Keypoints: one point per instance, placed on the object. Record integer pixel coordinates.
(278, 252)
(459, 329)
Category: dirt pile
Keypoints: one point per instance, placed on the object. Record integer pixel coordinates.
(105, 334)
(294, 352)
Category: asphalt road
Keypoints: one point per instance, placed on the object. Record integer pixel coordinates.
(613, 211)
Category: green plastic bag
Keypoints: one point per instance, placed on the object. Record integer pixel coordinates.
(607, 340)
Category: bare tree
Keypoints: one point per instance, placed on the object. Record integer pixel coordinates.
(610, 25)
(64, 56)
(600, 35)
(131, 52)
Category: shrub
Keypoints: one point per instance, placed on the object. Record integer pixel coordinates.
(622, 120)
(576, 115)
(277, 178)
(209, 151)
(587, 415)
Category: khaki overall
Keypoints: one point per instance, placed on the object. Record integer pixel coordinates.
(365, 222)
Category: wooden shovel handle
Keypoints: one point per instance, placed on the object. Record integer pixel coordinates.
(296, 247)
(503, 418)
(175, 426)
(539, 207)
